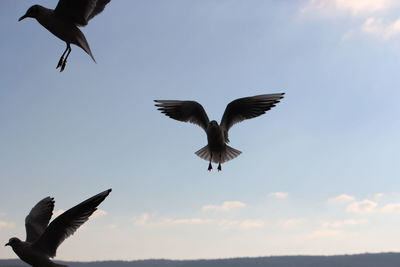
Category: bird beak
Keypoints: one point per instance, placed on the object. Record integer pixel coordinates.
(23, 17)
(8, 244)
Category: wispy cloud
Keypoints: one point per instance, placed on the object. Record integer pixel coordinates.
(279, 195)
(379, 28)
(5, 225)
(352, 7)
(391, 208)
(98, 213)
(148, 219)
(362, 207)
(343, 223)
(142, 219)
(372, 17)
(343, 198)
(226, 206)
(325, 233)
(291, 223)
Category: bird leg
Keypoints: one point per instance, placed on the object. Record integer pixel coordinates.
(219, 163)
(60, 62)
(209, 164)
(65, 60)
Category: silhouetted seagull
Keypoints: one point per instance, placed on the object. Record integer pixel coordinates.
(42, 238)
(217, 150)
(63, 22)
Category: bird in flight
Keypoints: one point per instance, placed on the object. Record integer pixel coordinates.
(42, 238)
(217, 150)
(63, 22)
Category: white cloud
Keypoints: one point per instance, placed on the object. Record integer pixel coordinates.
(325, 233)
(343, 198)
(378, 196)
(5, 225)
(188, 221)
(362, 207)
(378, 27)
(147, 219)
(291, 223)
(353, 7)
(226, 206)
(390, 208)
(98, 213)
(279, 195)
(362, 6)
(249, 224)
(339, 224)
(142, 219)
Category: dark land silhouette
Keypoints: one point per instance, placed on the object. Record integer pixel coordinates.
(359, 260)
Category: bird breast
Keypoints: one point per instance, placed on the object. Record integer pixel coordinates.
(63, 29)
(216, 140)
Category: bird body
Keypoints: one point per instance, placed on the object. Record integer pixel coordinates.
(42, 238)
(63, 22)
(26, 252)
(217, 150)
(65, 30)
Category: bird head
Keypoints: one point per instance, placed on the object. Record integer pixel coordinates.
(13, 242)
(214, 123)
(32, 12)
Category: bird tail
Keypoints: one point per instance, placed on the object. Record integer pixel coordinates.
(82, 43)
(60, 265)
(228, 154)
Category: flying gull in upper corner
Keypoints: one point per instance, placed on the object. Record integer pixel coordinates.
(63, 21)
(217, 150)
(42, 238)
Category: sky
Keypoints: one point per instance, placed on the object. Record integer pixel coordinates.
(319, 173)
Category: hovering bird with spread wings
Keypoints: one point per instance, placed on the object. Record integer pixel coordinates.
(217, 150)
(63, 22)
(42, 238)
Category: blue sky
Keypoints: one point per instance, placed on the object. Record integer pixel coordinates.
(318, 174)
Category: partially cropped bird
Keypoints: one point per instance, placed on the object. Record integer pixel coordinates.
(63, 22)
(217, 150)
(42, 238)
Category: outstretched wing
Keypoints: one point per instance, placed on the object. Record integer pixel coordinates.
(67, 223)
(80, 11)
(38, 219)
(247, 108)
(186, 111)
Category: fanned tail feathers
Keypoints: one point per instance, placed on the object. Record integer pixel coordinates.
(228, 154)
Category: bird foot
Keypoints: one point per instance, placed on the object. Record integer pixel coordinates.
(209, 167)
(63, 65)
(60, 62)
(219, 167)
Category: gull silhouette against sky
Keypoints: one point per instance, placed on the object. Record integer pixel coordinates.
(42, 238)
(63, 21)
(217, 150)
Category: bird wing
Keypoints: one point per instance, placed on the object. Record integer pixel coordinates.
(247, 108)
(38, 219)
(101, 4)
(80, 11)
(186, 111)
(67, 223)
